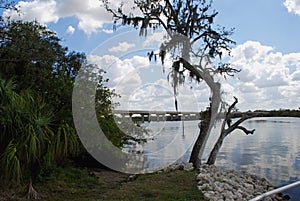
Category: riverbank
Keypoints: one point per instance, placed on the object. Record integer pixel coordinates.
(95, 184)
(176, 182)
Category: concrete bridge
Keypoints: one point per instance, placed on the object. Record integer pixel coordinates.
(143, 115)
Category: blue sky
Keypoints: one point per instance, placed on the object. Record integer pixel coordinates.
(268, 52)
(267, 21)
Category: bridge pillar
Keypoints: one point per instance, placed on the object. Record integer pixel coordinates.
(152, 118)
(143, 118)
(173, 117)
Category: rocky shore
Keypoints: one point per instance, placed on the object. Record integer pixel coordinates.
(219, 184)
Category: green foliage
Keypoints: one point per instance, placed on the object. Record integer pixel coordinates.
(31, 54)
(24, 131)
(65, 142)
(111, 130)
(36, 123)
(27, 136)
(10, 164)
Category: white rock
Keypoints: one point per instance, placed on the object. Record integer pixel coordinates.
(220, 184)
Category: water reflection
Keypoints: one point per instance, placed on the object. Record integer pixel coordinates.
(271, 152)
(170, 144)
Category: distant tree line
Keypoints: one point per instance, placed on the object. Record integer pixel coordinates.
(270, 113)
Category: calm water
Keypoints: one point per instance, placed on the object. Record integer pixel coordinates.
(272, 152)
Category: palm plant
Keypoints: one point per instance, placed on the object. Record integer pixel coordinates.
(27, 135)
(25, 131)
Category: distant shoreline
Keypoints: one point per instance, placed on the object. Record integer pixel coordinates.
(271, 113)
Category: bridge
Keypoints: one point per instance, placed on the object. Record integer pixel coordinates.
(143, 115)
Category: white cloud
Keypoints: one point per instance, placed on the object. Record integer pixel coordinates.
(247, 87)
(268, 79)
(108, 31)
(129, 77)
(293, 6)
(159, 96)
(261, 66)
(296, 75)
(154, 39)
(124, 75)
(122, 47)
(250, 51)
(70, 30)
(90, 14)
(42, 11)
(153, 96)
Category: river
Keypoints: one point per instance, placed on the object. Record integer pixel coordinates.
(273, 151)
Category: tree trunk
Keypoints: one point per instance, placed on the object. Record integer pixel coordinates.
(210, 116)
(200, 142)
(32, 193)
(213, 154)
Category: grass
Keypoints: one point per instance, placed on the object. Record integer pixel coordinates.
(177, 185)
(69, 184)
(79, 184)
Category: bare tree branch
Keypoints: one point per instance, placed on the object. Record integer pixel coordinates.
(246, 131)
(225, 132)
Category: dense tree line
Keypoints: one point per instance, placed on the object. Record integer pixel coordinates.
(37, 75)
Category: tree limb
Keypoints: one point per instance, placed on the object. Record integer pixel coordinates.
(246, 131)
(174, 16)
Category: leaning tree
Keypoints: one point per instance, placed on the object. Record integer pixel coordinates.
(194, 44)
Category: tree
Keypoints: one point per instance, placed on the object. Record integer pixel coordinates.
(36, 122)
(227, 128)
(32, 55)
(190, 27)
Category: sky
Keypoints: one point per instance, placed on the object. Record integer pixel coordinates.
(267, 51)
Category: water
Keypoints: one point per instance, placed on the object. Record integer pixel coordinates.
(272, 152)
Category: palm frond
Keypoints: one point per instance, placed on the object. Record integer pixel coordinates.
(10, 163)
(65, 142)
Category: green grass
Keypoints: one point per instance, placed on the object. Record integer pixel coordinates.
(178, 185)
(69, 183)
